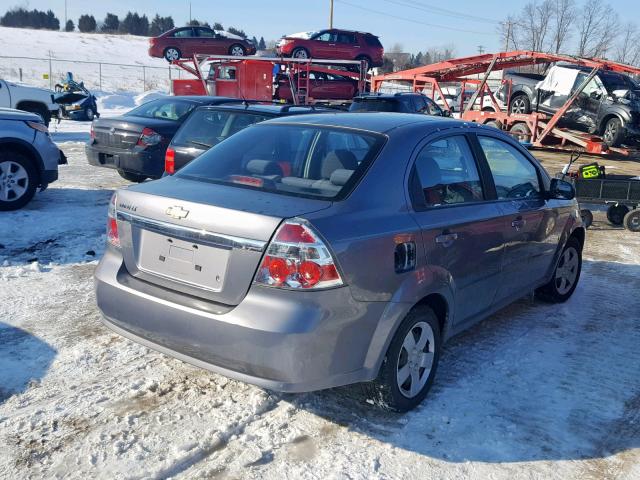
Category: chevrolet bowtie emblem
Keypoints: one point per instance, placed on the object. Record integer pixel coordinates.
(177, 212)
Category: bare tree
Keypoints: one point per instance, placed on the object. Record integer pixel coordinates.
(563, 18)
(597, 29)
(628, 49)
(534, 23)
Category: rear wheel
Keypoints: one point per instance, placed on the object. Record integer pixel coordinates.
(521, 132)
(632, 220)
(616, 214)
(587, 217)
(410, 364)
(38, 109)
(18, 180)
(366, 60)
(132, 177)
(237, 50)
(494, 124)
(520, 104)
(566, 275)
(172, 54)
(300, 52)
(613, 134)
(89, 113)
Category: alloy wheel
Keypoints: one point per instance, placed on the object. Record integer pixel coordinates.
(610, 132)
(567, 270)
(301, 53)
(518, 106)
(237, 51)
(172, 54)
(14, 181)
(415, 359)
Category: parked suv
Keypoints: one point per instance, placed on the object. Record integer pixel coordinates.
(608, 106)
(313, 251)
(135, 143)
(28, 158)
(333, 44)
(402, 102)
(207, 126)
(184, 42)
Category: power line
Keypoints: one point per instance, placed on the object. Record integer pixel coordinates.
(440, 11)
(370, 10)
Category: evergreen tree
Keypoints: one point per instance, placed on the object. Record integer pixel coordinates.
(111, 23)
(69, 27)
(20, 17)
(160, 25)
(237, 31)
(261, 44)
(86, 23)
(217, 26)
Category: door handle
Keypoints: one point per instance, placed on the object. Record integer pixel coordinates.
(446, 239)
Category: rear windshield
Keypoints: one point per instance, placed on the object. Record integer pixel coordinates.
(372, 40)
(206, 128)
(300, 160)
(164, 108)
(374, 105)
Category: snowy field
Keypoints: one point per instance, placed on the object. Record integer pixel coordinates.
(535, 392)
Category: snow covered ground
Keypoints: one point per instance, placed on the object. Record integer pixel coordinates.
(535, 392)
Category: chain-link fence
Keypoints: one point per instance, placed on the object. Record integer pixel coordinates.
(98, 76)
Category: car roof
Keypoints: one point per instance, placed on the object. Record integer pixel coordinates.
(386, 96)
(379, 122)
(205, 99)
(268, 108)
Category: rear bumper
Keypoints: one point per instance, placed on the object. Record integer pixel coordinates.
(144, 162)
(156, 51)
(277, 339)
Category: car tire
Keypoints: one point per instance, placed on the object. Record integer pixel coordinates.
(18, 180)
(520, 104)
(613, 133)
(632, 220)
(366, 59)
(172, 54)
(300, 52)
(394, 387)
(89, 113)
(587, 217)
(520, 131)
(616, 214)
(494, 124)
(237, 50)
(566, 274)
(132, 177)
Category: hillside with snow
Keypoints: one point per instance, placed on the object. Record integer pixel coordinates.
(68, 49)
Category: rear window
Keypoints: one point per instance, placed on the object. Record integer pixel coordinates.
(166, 109)
(299, 160)
(374, 105)
(372, 41)
(206, 128)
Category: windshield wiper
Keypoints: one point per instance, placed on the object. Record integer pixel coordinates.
(200, 144)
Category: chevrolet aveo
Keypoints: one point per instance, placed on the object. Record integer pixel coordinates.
(309, 252)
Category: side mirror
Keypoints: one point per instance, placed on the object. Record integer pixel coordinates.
(446, 113)
(561, 190)
(595, 95)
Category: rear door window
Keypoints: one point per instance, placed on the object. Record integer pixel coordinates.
(308, 161)
(447, 173)
(186, 33)
(206, 33)
(513, 174)
(346, 38)
(372, 41)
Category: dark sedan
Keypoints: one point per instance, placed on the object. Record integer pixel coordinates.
(135, 143)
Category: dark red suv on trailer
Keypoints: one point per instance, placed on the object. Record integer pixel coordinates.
(183, 42)
(333, 44)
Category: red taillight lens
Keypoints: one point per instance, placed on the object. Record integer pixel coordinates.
(170, 161)
(297, 258)
(112, 224)
(149, 137)
(92, 132)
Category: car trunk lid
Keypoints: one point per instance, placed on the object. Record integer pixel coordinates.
(204, 240)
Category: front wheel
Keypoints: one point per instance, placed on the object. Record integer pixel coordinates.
(632, 220)
(613, 134)
(566, 274)
(237, 50)
(89, 113)
(616, 214)
(410, 364)
(18, 180)
(132, 177)
(520, 104)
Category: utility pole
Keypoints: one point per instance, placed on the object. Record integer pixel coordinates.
(506, 43)
(189, 13)
(65, 14)
(330, 13)
(480, 49)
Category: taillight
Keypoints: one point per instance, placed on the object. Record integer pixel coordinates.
(92, 132)
(297, 258)
(149, 137)
(112, 225)
(170, 161)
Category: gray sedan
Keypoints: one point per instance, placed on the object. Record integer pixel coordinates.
(309, 252)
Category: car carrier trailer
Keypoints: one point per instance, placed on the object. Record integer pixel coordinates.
(538, 129)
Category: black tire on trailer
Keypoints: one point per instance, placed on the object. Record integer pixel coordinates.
(494, 124)
(520, 103)
(632, 220)
(613, 133)
(616, 214)
(18, 179)
(488, 109)
(566, 274)
(132, 177)
(412, 356)
(587, 217)
(520, 131)
(367, 61)
(171, 54)
(237, 50)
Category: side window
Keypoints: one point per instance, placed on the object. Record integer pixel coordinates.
(514, 175)
(186, 33)
(205, 32)
(348, 38)
(326, 37)
(433, 108)
(419, 105)
(447, 173)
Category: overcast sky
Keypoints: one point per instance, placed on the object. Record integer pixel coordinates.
(415, 24)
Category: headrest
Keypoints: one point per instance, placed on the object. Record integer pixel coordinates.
(341, 176)
(338, 159)
(264, 167)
